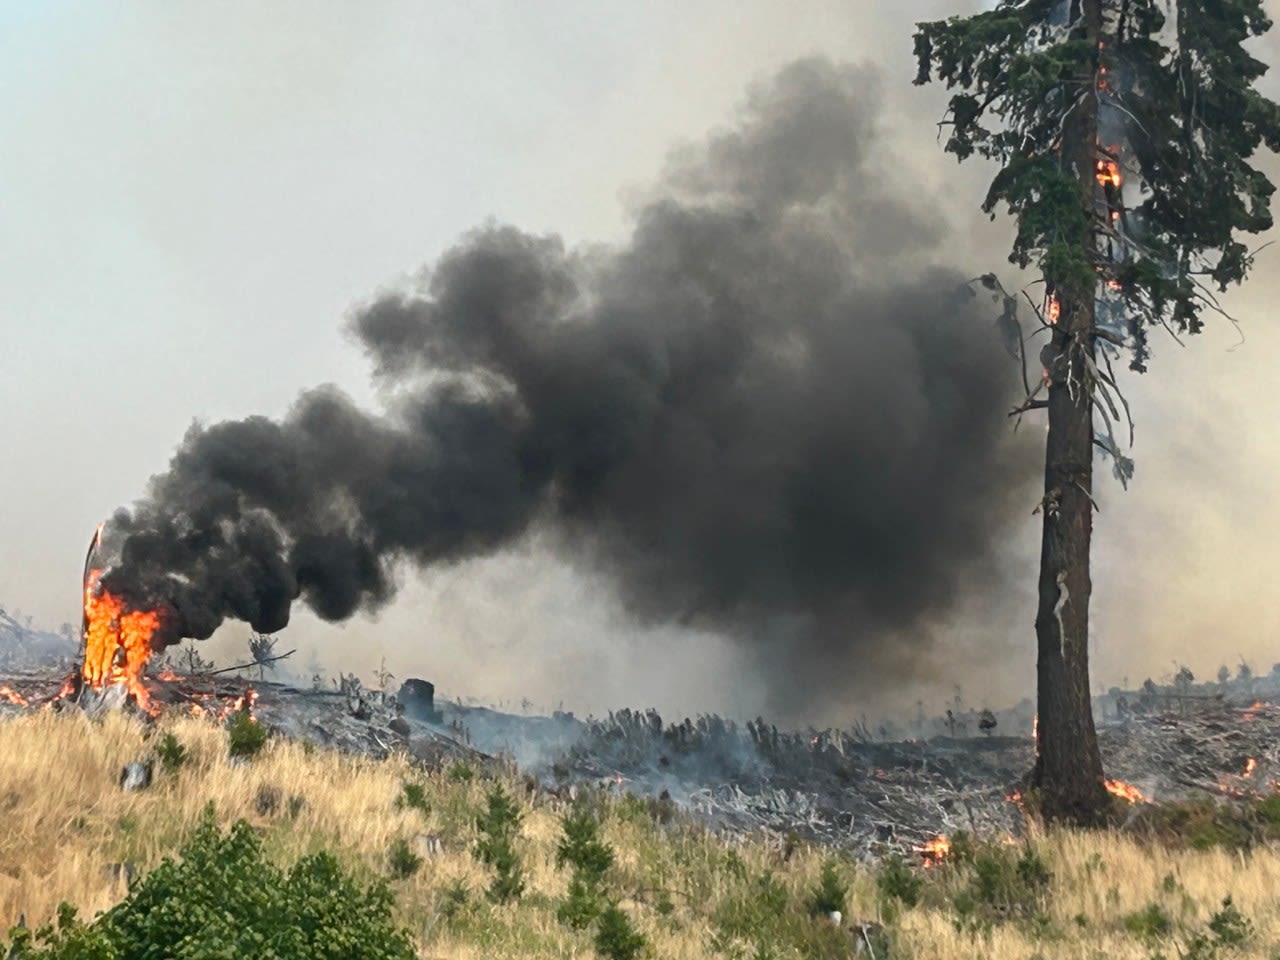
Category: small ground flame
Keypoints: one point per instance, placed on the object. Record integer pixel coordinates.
(12, 696)
(245, 703)
(1126, 791)
(1250, 765)
(935, 852)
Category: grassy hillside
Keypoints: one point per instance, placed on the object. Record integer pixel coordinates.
(69, 830)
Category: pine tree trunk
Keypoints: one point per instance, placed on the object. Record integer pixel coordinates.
(1068, 771)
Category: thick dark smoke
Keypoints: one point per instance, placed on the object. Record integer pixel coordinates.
(763, 414)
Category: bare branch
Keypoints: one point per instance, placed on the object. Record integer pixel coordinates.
(1111, 379)
(246, 666)
(1029, 404)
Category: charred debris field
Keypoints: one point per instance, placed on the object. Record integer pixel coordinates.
(847, 790)
(711, 839)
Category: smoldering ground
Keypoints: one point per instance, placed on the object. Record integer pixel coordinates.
(769, 413)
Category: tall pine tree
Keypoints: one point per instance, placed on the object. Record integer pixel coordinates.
(1123, 132)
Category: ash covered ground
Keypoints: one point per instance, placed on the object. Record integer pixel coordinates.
(849, 789)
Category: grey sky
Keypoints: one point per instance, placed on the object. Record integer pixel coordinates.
(194, 196)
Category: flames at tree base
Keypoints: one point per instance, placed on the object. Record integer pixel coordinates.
(1126, 791)
(117, 642)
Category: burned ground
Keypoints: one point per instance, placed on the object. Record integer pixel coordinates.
(839, 788)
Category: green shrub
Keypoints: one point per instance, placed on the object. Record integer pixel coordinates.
(582, 904)
(753, 911)
(171, 752)
(498, 825)
(664, 904)
(897, 881)
(831, 893)
(1229, 926)
(222, 899)
(1202, 823)
(1268, 810)
(1150, 923)
(413, 796)
(246, 736)
(461, 773)
(581, 847)
(68, 939)
(401, 859)
(1228, 930)
(631, 809)
(761, 911)
(1001, 884)
(454, 899)
(616, 938)
(590, 857)
(1033, 873)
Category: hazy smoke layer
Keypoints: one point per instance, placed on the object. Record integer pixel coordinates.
(761, 414)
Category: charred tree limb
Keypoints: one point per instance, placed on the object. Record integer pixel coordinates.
(245, 666)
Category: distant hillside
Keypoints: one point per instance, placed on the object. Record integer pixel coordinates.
(25, 646)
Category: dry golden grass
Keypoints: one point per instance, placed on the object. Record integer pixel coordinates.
(67, 822)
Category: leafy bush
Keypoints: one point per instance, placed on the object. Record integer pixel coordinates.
(461, 773)
(755, 912)
(760, 911)
(401, 859)
(1229, 926)
(454, 899)
(582, 904)
(1204, 823)
(498, 826)
(413, 796)
(1268, 810)
(1151, 922)
(616, 938)
(831, 893)
(68, 939)
(223, 900)
(171, 752)
(580, 847)
(897, 881)
(246, 736)
(1228, 930)
(1001, 885)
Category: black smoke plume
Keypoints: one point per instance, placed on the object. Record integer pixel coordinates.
(763, 414)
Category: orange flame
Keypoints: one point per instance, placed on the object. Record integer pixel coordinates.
(245, 703)
(117, 643)
(1107, 173)
(1250, 765)
(935, 851)
(12, 696)
(1052, 309)
(1126, 791)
